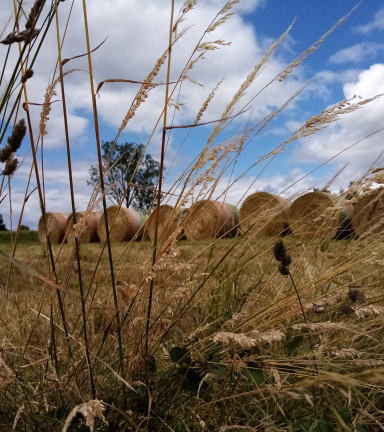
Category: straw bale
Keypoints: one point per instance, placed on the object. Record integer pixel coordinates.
(206, 220)
(264, 214)
(126, 224)
(169, 222)
(56, 225)
(315, 215)
(89, 231)
(369, 213)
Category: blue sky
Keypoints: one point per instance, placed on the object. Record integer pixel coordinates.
(350, 61)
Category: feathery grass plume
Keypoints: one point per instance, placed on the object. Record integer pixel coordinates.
(49, 93)
(90, 410)
(145, 88)
(248, 342)
(36, 8)
(369, 310)
(323, 120)
(346, 353)
(206, 103)
(225, 10)
(28, 74)
(240, 93)
(323, 326)
(187, 6)
(312, 48)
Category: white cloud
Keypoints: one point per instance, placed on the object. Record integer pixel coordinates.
(356, 53)
(131, 50)
(376, 23)
(349, 129)
(137, 33)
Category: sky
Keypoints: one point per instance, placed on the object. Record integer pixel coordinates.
(350, 61)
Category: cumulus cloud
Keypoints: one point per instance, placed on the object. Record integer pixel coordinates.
(356, 53)
(137, 36)
(376, 24)
(133, 46)
(349, 129)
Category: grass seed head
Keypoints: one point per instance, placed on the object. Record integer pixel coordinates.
(279, 250)
(356, 295)
(36, 8)
(28, 74)
(346, 309)
(18, 133)
(10, 166)
(283, 269)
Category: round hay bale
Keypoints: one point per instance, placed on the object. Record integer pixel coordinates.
(169, 222)
(264, 214)
(368, 212)
(312, 215)
(56, 225)
(89, 232)
(128, 222)
(206, 220)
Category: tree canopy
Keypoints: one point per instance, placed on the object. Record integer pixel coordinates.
(121, 166)
(2, 225)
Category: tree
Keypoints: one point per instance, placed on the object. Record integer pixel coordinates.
(2, 225)
(121, 167)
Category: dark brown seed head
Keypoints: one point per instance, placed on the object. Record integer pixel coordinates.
(279, 250)
(34, 13)
(286, 260)
(10, 167)
(283, 269)
(20, 37)
(356, 295)
(5, 154)
(18, 133)
(346, 309)
(28, 74)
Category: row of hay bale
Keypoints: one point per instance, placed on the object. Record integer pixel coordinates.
(315, 214)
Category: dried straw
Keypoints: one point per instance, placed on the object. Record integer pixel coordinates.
(128, 223)
(56, 225)
(316, 215)
(86, 233)
(206, 220)
(264, 214)
(369, 211)
(169, 222)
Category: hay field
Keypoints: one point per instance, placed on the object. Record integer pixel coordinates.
(288, 363)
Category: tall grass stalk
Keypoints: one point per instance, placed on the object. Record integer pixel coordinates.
(77, 245)
(96, 124)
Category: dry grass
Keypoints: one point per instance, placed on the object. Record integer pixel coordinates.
(180, 335)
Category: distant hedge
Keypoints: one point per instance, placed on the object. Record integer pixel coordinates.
(24, 237)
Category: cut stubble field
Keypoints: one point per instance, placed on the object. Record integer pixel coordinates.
(208, 300)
